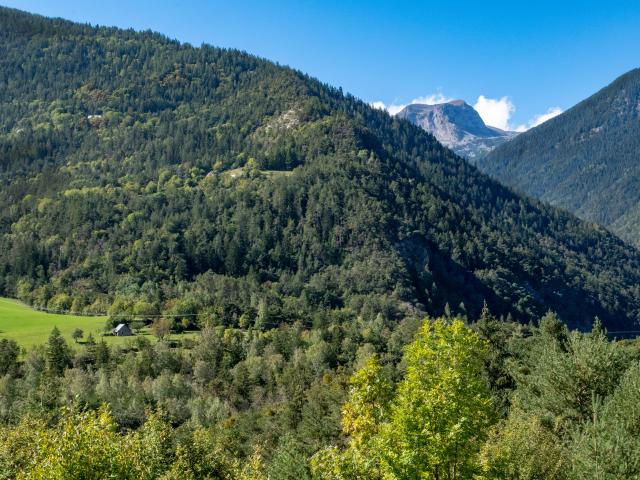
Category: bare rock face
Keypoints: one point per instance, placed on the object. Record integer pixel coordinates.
(458, 126)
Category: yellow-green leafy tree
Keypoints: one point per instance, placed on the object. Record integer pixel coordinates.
(362, 417)
(84, 445)
(431, 427)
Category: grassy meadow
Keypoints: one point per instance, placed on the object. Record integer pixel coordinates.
(31, 327)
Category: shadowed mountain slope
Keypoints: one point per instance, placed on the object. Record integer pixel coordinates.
(586, 160)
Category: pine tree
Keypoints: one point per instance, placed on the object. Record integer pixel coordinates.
(59, 354)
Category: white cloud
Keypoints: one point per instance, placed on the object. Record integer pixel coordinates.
(498, 112)
(432, 99)
(539, 119)
(391, 108)
(379, 105)
(394, 108)
(495, 112)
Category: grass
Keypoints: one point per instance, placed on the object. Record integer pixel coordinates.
(31, 327)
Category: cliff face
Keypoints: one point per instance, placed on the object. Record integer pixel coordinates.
(458, 126)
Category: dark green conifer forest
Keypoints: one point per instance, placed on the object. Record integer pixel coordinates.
(585, 160)
(369, 305)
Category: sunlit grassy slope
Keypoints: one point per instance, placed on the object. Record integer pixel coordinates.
(30, 327)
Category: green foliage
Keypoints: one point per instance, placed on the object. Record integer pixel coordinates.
(289, 461)
(87, 445)
(564, 372)
(201, 457)
(368, 404)
(609, 445)
(442, 408)
(499, 336)
(82, 446)
(571, 412)
(524, 447)
(9, 352)
(59, 353)
(161, 327)
(362, 419)
(267, 402)
(77, 334)
(434, 424)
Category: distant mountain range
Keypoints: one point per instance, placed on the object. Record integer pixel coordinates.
(586, 160)
(457, 125)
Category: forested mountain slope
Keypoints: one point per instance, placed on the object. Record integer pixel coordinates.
(586, 160)
(134, 168)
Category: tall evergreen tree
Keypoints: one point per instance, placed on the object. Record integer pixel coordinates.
(59, 354)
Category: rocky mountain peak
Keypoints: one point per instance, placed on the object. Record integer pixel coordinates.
(457, 125)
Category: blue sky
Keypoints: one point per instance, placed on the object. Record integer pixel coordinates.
(514, 60)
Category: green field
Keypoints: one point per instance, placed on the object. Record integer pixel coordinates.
(30, 327)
